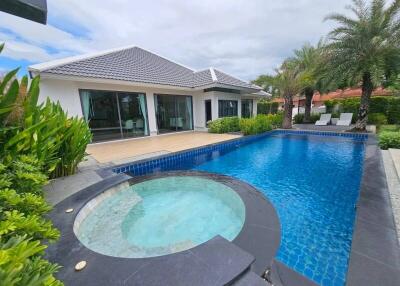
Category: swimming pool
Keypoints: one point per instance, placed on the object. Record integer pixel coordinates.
(312, 179)
(313, 182)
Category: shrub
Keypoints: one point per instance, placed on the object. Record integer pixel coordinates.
(389, 139)
(386, 105)
(299, 118)
(377, 119)
(224, 125)
(23, 226)
(276, 119)
(259, 124)
(45, 130)
(393, 111)
(329, 104)
(30, 137)
(267, 107)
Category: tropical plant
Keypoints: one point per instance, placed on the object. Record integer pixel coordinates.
(45, 130)
(267, 83)
(23, 226)
(224, 125)
(288, 84)
(389, 139)
(308, 60)
(365, 49)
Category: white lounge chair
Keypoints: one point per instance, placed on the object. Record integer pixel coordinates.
(345, 119)
(324, 119)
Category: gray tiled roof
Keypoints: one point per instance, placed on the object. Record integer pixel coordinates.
(138, 65)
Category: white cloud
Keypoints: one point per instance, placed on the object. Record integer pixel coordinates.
(242, 37)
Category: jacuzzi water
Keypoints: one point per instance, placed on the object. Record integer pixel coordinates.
(161, 216)
(313, 182)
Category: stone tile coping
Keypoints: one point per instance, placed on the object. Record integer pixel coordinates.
(215, 262)
(375, 252)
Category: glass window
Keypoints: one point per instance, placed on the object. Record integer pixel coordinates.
(114, 115)
(227, 108)
(173, 113)
(247, 108)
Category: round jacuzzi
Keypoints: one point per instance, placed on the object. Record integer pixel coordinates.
(159, 216)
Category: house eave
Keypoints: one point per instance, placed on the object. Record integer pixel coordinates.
(34, 72)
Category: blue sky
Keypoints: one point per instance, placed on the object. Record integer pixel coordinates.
(243, 37)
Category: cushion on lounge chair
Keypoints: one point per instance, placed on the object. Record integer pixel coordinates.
(324, 119)
(345, 119)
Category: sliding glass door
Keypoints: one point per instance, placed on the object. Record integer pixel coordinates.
(173, 113)
(114, 115)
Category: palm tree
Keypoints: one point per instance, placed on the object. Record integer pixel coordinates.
(288, 84)
(308, 60)
(365, 49)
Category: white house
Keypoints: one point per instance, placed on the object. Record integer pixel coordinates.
(130, 92)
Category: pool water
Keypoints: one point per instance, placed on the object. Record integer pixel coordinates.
(313, 182)
(162, 216)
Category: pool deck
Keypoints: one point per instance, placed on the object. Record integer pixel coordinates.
(119, 152)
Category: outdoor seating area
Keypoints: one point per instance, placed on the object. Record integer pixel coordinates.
(343, 120)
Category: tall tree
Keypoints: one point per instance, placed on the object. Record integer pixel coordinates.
(266, 81)
(288, 84)
(308, 60)
(365, 50)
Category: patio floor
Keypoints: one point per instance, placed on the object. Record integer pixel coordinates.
(119, 152)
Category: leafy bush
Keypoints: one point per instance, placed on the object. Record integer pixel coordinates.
(23, 226)
(377, 119)
(389, 139)
(224, 125)
(21, 264)
(45, 130)
(386, 105)
(299, 118)
(393, 111)
(276, 120)
(30, 140)
(259, 124)
(267, 107)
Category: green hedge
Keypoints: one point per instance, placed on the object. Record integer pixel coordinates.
(261, 123)
(267, 107)
(377, 119)
(299, 118)
(23, 225)
(389, 106)
(224, 125)
(389, 139)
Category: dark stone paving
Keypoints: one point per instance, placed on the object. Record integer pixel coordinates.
(375, 252)
(216, 262)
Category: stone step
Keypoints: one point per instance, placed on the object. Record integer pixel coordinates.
(250, 278)
(217, 262)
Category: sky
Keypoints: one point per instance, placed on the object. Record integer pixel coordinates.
(245, 38)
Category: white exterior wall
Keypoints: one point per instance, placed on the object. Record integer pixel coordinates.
(67, 93)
